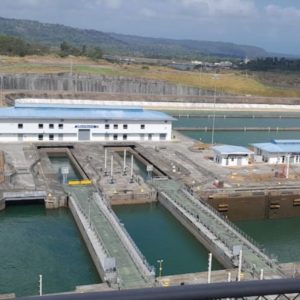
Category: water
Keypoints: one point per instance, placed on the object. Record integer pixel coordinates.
(279, 236)
(160, 236)
(59, 162)
(241, 138)
(38, 241)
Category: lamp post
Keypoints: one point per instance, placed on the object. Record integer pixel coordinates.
(214, 113)
(160, 262)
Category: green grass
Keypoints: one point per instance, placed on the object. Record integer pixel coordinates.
(232, 82)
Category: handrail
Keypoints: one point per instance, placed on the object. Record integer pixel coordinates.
(136, 255)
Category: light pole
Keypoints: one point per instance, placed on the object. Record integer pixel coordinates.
(214, 113)
(160, 262)
(89, 211)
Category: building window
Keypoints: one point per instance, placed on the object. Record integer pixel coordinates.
(51, 126)
(41, 137)
(162, 136)
(150, 137)
(20, 126)
(106, 126)
(124, 137)
(115, 137)
(41, 126)
(115, 126)
(107, 137)
(60, 137)
(51, 137)
(143, 126)
(125, 126)
(60, 126)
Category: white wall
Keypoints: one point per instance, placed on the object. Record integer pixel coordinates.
(231, 161)
(10, 132)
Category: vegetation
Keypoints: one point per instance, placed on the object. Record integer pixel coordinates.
(237, 82)
(14, 46)
(53, 35)
(273, 64)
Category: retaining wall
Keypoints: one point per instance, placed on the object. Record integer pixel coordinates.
(100, 84)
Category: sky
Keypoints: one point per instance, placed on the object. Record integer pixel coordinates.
(271, 24)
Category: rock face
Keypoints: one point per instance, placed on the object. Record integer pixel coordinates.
(96, 84)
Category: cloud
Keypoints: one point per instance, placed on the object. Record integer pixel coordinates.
(239, 8)
(111, 4)
(147, 12)
(286, 14)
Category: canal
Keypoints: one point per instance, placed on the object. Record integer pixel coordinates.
(38, 241)
(278, 236)
(62, 161)
(242, 138)
(160, 236)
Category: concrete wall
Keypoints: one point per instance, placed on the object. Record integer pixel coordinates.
(87, 238)
(202, 238)
(101, 84)
(257, 205)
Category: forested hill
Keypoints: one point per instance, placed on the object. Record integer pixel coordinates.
(111, 43)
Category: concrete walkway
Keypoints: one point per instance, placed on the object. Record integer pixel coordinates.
(129, 274)
(221, 233)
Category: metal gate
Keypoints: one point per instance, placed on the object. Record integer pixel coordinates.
(84, 134)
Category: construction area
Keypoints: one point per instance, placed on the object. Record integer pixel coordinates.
(90, 178)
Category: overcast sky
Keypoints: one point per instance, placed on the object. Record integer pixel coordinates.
(271, 24)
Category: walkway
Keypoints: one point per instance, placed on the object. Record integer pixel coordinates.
(105, 224)
(221, 233)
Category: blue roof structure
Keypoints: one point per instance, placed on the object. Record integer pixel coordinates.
(279, 146)
(231, 150)
(81, 112)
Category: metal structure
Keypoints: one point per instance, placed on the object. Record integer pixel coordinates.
(261, 289)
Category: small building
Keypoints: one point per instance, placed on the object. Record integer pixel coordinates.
(33, 121)
(278, 151)
(228, 155)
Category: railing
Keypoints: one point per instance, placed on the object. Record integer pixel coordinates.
(269, 258)
(105, 253)
(251, 242)
(259, 289)
(134, 252)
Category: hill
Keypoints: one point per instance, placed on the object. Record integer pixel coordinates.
(112, 43)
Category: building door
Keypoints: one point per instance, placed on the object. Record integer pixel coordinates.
(239, 161)
(84, 134)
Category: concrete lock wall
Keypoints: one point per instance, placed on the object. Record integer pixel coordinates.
(191, 227)
(101, 84)
(257, 205)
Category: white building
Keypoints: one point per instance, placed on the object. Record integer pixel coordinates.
(31, 122)
(278, 151)
(227, 155)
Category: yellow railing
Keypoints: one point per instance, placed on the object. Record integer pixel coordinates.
(80, 182)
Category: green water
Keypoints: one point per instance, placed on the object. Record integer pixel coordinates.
(280, 237)
(59, 162)
(240, 137)
(160, 236)
(38, 241)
